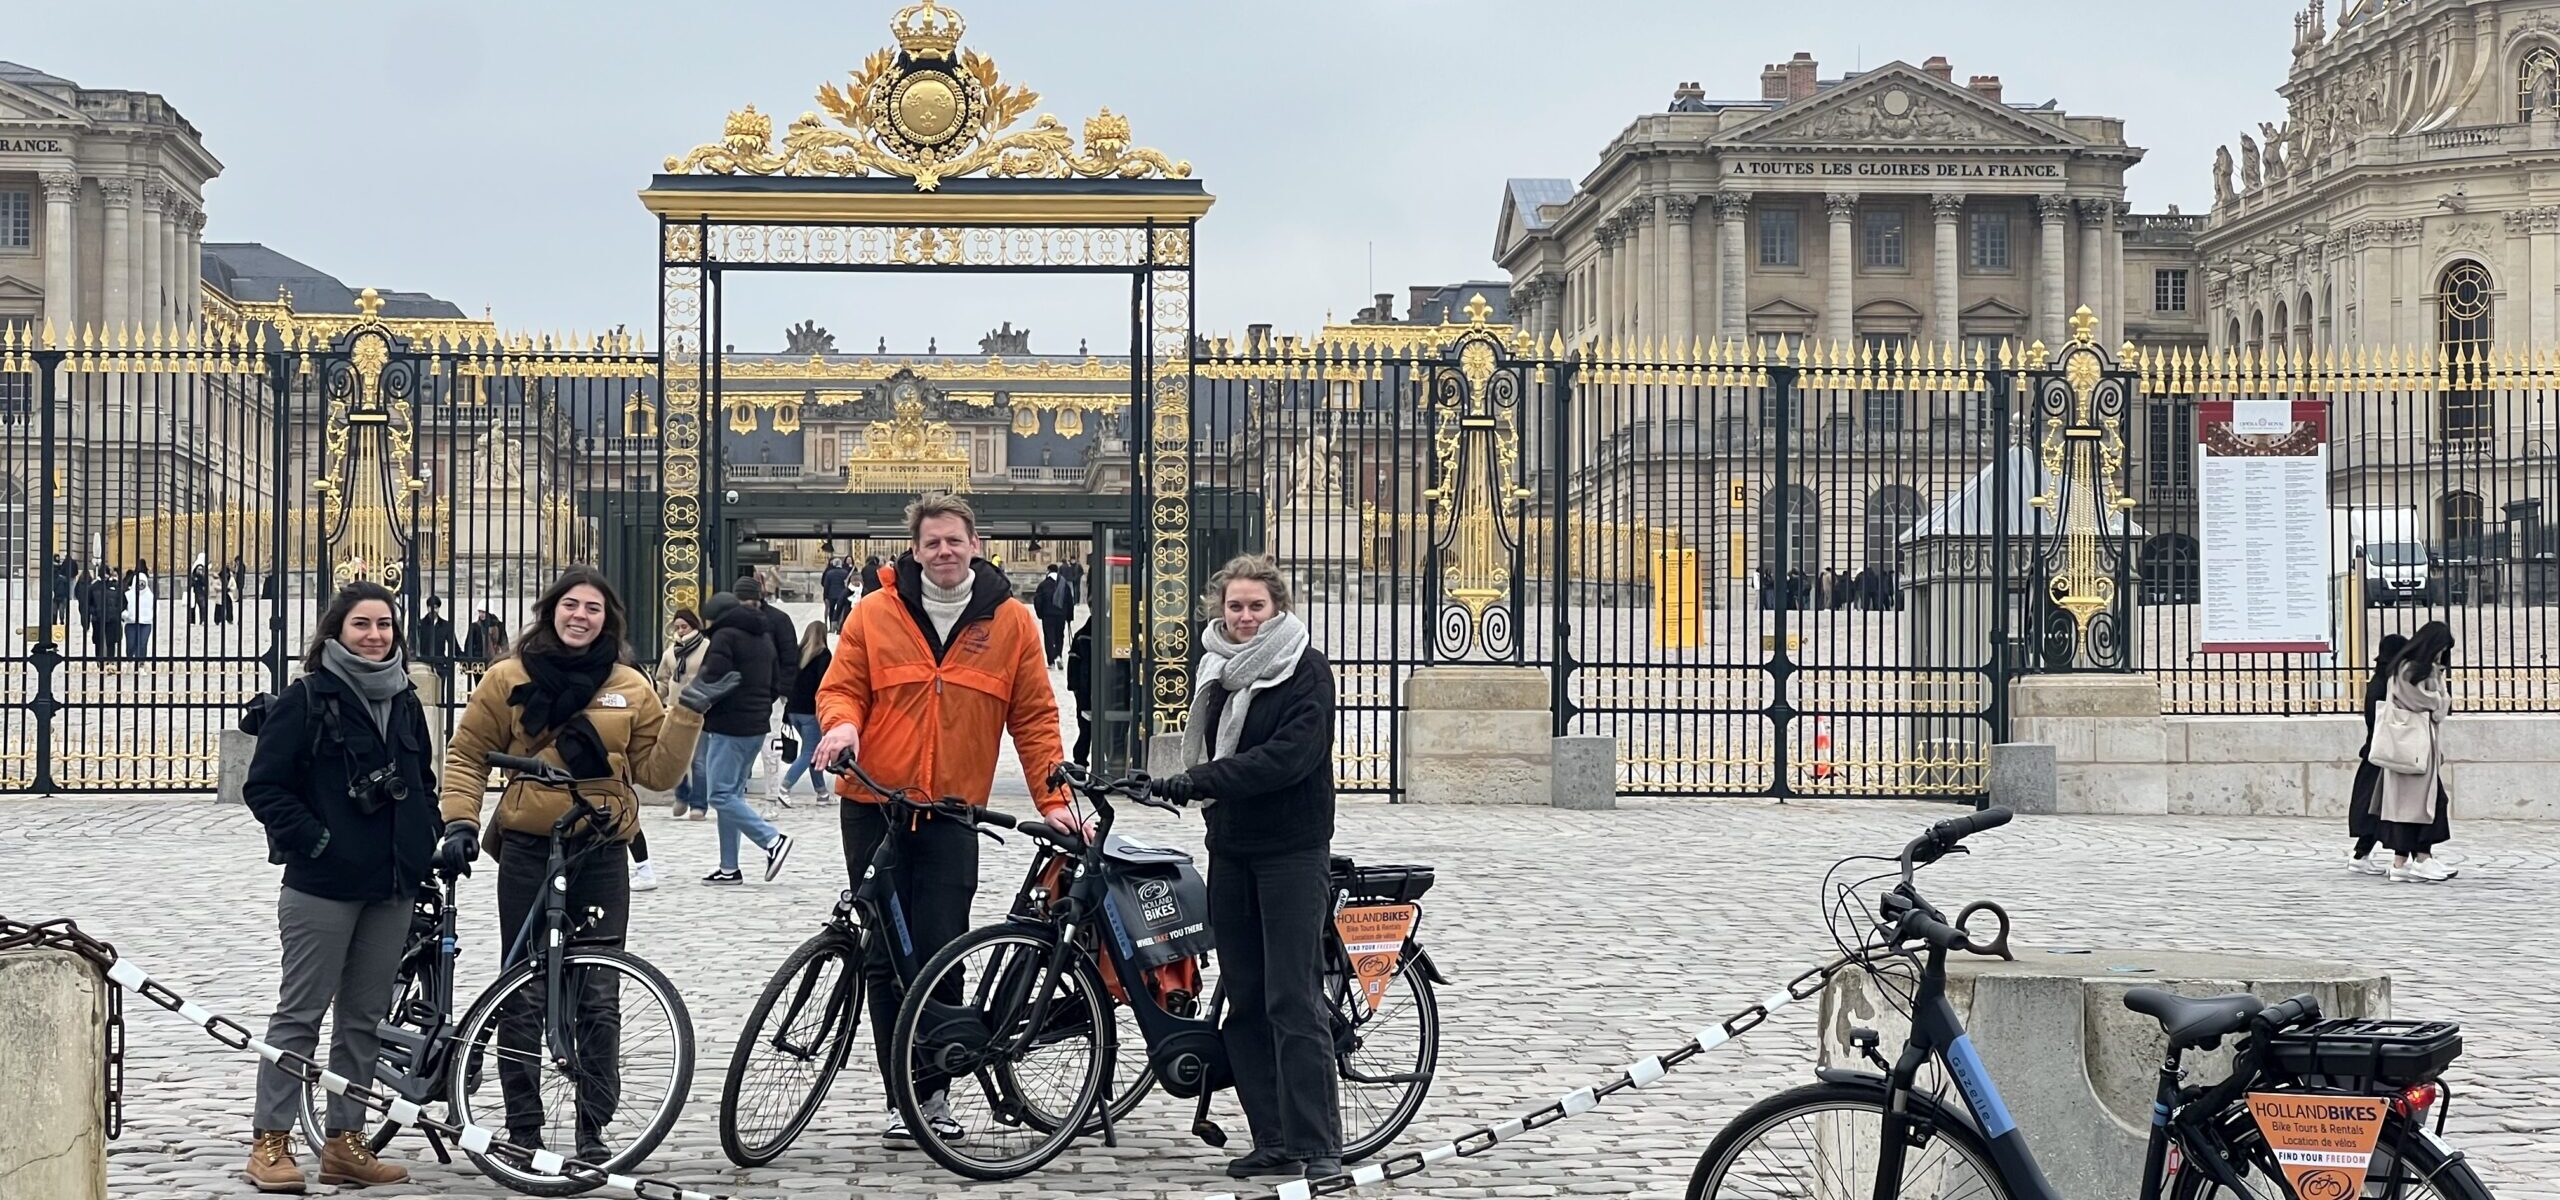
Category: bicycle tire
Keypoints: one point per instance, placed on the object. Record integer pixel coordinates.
(1349, 1007)
(1068, 1125)
(2431, 1169)
(1737, 1143)
(478, 1028)
(315, 1102)
(842, 1017)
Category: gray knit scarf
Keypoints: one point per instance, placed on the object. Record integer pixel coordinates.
(376, 683)
(1242, 668)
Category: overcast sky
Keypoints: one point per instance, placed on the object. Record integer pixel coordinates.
(489, 152)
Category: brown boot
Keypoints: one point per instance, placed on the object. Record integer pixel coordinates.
(345, 1160)
(271, 1165)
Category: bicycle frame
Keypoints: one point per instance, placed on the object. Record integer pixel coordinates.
(423, 1052)
(1938, 1033)
(551, 917)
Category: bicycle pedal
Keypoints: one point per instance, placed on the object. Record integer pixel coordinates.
(1210, 1135)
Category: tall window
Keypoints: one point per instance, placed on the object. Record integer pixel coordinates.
(1987, 249)
(1891, 512)
(2465, 522)
(17, 220)
(18, 388)
(2169, 290)
(1884, 407)
(1884, 237)
(2170, 451)
(2463, 312)
(1793, 519)
(1781, 243)
(2537, 83)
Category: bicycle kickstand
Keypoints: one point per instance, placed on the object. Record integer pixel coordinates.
(435, 1142)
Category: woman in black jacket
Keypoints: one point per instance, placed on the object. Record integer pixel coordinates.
(800, 708)
(734, 729)
(2364, 820)
(1259, 756)
(344, 783)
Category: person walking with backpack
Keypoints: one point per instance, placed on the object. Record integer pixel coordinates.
(565, 694)
(800, 708)
(935, 666)
(1054, 601)
(343, 779)
(2364, 816)
(734, 730)
(2415, 806)
(679, 665)
(1258, 754)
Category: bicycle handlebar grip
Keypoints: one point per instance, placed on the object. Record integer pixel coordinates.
(1956, 829)
(2299, 1010)
(520, 765)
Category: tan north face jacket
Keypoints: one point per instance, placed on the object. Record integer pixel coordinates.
(649, 744)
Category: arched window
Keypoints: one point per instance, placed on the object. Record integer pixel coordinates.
(2302, 328)
(2462, 519)
(2233, 342)
(1890, 511)
(2257, 329)
(1791, 518)
(2169, 570)
(2537, 83)
(2464, 308)
(2279, 331)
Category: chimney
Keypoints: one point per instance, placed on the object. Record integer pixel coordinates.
(1939, 68)
(1688, 94)
(1773, 82)
(1386, 310)
(1257, 336)
(1417, 299)
(1802, 76)
(1986, 86)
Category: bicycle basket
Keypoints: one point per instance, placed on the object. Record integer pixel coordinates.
(2362, 1055)
(1399, 884)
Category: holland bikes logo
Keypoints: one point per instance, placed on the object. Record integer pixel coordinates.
(1156, 903)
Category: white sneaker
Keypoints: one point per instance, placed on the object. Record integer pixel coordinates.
(2370, 864)
(2431, 871)
(644, 878)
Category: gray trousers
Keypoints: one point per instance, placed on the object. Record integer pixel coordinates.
(342, 950)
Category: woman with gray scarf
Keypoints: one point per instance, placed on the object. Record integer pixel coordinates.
(343, 781)
(1258, 753)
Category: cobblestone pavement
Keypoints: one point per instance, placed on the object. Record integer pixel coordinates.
(1576, 941)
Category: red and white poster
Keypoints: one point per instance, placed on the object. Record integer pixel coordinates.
(2263, 467)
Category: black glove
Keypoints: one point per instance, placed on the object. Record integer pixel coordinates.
(701, 694)
(1177, 788)
(461, 844)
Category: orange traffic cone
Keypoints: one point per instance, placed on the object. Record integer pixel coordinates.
(1822, 747)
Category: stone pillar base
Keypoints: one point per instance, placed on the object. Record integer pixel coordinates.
(1477, 735)
(1586, 772)
(2110, 745)
(53, 1082)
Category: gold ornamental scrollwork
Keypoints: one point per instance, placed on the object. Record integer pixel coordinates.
(365, 486)
(2083, 452)
(1475, 498)
(928, 111)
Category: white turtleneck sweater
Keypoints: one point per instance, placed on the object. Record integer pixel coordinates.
(944, 606)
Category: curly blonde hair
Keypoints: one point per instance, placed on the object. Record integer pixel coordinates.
(1258, 568)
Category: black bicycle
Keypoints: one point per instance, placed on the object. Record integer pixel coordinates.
(800, 1032)
(1008, 1034)
(574, 1045)
(2312, 1109)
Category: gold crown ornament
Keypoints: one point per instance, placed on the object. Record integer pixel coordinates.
(927, 30)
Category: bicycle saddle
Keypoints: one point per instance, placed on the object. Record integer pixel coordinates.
(1139, 854)
(2192, 1023)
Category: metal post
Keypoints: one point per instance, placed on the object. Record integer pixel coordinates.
(1780, 664)
(280, 394)
(2001, 403)
(48, 651)
(1559, 458)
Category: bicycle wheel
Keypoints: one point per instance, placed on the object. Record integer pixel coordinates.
(616, 1090)
(2426, 1169)
(1819, 1142)
(1000, 1114)
(1384, 1057)
(796, 1038)
(408, 1009)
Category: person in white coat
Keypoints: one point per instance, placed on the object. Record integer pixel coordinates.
(140, 600)
(2415, 808)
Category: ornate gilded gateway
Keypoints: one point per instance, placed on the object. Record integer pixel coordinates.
(1476, 497)
(367, 492)
(908, 453)
(927, 111)
(923, 162)
(2078, 406)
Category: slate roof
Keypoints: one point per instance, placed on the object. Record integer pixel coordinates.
(250, 271)
(1529, 194)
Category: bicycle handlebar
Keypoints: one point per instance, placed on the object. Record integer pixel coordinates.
(905, 798)
(1908, 914)
(533, 768)
(1133, 787)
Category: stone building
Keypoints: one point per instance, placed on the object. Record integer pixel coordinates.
(101, 204)
(2408, 201)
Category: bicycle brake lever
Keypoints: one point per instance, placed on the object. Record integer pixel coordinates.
(991, 834)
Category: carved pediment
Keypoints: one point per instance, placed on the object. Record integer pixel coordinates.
(27, 104)
(1897, 105)
(882, 401)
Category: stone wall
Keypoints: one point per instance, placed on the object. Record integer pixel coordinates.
(2498, 765)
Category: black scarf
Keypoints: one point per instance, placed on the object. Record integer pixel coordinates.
(555, 697)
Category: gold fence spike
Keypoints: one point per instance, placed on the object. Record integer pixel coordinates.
(48, 334)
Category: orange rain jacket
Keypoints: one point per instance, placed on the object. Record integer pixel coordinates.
(933, 715)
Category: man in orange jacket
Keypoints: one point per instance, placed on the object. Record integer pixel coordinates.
(931, 670)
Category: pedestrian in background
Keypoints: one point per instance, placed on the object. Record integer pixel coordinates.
(837, 586)
(757, 592)
(1258, 753)
(143, 603)
(2364, 817)
(1054, 602)
(108, 601)
(800, 711)
(2415, 808)
(343, 781)
(870, 577)
(565, 695)
(734, 729)
(679, 665)
(199, 592)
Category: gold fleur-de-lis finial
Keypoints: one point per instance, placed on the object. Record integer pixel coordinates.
(1478, 312)
(369, 304)
(2084, 326)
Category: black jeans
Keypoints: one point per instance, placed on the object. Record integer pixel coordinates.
(939, 880)
(601, 880)
(1053, 636)
(1268, 912)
